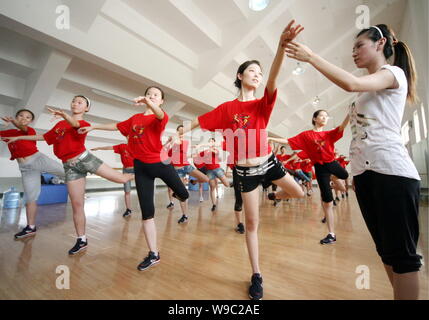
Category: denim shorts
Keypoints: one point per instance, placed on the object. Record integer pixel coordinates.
(215, 173)
(183, 171)
(80, 167)
(127, 186)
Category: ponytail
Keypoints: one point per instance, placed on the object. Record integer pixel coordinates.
(405, 61)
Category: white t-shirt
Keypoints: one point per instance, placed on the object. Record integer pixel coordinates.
(375, 119)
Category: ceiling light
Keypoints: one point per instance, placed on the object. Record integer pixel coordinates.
(258, 5)
(316, 101)
(298, 69)
(112, 96)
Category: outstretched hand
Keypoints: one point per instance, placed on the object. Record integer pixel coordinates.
(57, 113)
(290, 33)
(7, 120)
(298, 51)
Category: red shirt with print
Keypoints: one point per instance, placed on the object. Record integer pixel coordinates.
(306, 166)
(178, 154)
(212, 160)
(243, 125)
(319, 146)
(126, 159)
(20, 148)
(68, 143)
(144, 136)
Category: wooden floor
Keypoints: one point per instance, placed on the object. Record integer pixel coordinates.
(204, 259)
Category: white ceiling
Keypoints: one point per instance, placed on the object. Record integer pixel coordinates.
(191, 48)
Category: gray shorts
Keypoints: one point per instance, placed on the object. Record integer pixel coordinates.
(80, 167)
(127, 186)
(216, 173)
(31, 171)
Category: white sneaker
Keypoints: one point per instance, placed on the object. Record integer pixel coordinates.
(201, 199)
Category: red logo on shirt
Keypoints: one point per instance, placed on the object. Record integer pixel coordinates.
(138, 132)
(320, 144)
(242, 120)
(60, 132)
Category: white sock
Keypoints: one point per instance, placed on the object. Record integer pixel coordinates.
(83, 238)
(332, 234)
(32, 226)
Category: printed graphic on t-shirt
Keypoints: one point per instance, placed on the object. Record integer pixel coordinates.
(137, 133)
(242, 120)
(60, 132)
(320, 144)
(358, 123)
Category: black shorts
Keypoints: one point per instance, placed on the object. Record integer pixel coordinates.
(390, 208)
(251, 177)
(323, 175)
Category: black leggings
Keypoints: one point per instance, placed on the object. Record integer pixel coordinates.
(323, 175)
(238, 206)
(145, 174)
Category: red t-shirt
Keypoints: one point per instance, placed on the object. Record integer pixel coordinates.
(199, 160)
(126, 159)
(295, 165)
(306, 166)
(144, 136)
(20, 148)
(178, 154)
(212, 160)
(319, 146)
(68, 143)
(247, 122)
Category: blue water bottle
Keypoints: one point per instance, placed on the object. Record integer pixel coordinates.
(11, 198)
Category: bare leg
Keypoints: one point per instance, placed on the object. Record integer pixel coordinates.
(127, 196)
(289, 188)
(406, 286)
(113, 175)
(31, 211)
(251, 214)
(329, 215)
(199, 175)
(76, 189)
(150, 234)
(213, 184)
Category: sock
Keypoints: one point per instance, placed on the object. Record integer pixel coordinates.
(83, 238)
(32, 226)
(332, 234)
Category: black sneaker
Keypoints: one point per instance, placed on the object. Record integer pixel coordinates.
(26, 232)
(127, 213)
(342, 195)
(328, 239)
(347, 194)
(335, 203)
(183, 219)
(79, 246)
(240, 228)
(170, 205)
(149, 261)
(178, 198)
(337, 199)
(272, 196)
(213, 208)
(324, 220)
(255, 290)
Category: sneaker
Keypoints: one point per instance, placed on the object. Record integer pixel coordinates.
(276, 202)
(201, 199)
(26, 232)
(193, 182)
(127, 213)
(324, 220)
(255, 290)
(183, 219)
(272, 196)
(347, 194)
(240, 228)
(213, 208)
(149, 261)
(178, 198)
(337, 199)
(79, 246)
(170, 205)
(342, 195)
(335, 203)
(328, 239)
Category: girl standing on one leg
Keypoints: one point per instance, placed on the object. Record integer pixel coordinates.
(386, 181)
(319, 146)
(245, 120)
(32, 164)
(69, 147)
(144, 132)
(128, 167)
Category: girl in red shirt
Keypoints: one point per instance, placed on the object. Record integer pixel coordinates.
(128, 167)
(178, 153)
(319, 146)
(144, 132)
(31, 163)
(243, 123)
(198, 160)
(69, 146)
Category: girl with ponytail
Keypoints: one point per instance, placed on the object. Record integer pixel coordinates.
(385, 179)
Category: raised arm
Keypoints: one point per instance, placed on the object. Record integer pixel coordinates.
(379, 80)
(62, 114)
(107, 127)
(36, 137)
(159, 113)
(9, 120)
(345, 122)
(288, 34)
(279, 140)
